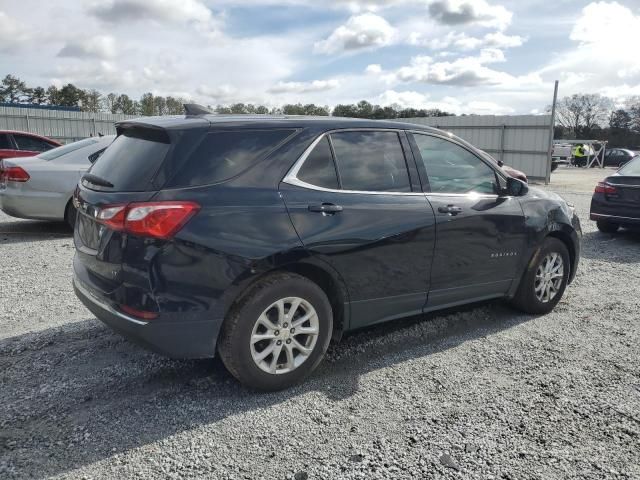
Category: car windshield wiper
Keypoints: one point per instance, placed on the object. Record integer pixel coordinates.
(96, 180)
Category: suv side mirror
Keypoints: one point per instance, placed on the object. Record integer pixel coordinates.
(515, 187)
(500, 163)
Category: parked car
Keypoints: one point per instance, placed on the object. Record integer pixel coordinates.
(617, 157)
(616, 200)
(41, 187)
(510, 171)
(22, 144)
(261, 238)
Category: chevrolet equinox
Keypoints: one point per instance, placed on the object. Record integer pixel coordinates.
(261, 238)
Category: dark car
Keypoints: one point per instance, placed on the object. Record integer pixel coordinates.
(22, 144)
(617, 157)
(616, 200)
(262, 238)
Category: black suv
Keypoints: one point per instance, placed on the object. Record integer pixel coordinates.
(262, 238)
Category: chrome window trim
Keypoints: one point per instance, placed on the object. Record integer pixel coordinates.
(291, 177)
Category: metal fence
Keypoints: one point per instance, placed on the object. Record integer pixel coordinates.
(65, 126)
(520, 141)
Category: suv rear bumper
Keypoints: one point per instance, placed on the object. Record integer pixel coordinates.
(176, 339)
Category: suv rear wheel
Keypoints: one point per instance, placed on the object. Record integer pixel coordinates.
(277, 333)
(545, 279)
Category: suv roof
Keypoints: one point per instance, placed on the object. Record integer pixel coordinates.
(198, 121)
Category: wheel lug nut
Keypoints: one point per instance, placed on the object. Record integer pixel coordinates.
(277, 332)
(279, 342)
(285, 325)
(293, 330)
(288, 340)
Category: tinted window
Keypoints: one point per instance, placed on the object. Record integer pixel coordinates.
(129, 163)
(70, 147)
(318, 169)
(371, 161)
(4, 142)
(222, 155)
(33, 144)
(453, 169)
(632, 168)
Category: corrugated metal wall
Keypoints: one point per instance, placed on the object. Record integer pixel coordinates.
(521, 141)
(63, 126)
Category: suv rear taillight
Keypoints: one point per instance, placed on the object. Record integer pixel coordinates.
(14, 174)
(149, 219)
(604, 187)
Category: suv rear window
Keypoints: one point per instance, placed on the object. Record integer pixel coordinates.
(130, 162)
(224, 154)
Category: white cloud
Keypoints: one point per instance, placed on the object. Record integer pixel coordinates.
(101, 46)
(465, 12)
(409, 98)
(461, 41)
(304, 87)
(13, 33)
(604, 59)
(191, 12)
(360, 32)
(465, 71)
(373, 69)
(159, 10)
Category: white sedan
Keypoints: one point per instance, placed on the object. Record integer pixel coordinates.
(41, 187)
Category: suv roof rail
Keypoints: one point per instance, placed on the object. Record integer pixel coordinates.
(195, 109)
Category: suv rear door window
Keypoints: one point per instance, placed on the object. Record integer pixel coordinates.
(224, 154)
(371, 161)
(5, 143)
(33, 144)
(131, 161)
(318, 169)
(453, 169)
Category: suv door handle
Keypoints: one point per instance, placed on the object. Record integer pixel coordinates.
(326, 208)
(450, 209)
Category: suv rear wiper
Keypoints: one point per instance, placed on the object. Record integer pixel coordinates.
(96, 180)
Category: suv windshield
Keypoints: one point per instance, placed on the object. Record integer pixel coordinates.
(64, 149)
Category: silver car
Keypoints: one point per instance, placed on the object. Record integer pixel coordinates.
(41, 187)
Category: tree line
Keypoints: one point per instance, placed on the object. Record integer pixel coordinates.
(15, 90)
(590, 116)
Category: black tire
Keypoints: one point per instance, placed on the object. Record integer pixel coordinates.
(607, 227)
(70, 214)
(234, 345)
(525, 298)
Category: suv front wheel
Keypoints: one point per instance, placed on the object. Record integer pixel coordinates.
(545, 279)
(277, 333)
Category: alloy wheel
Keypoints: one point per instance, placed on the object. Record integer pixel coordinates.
(284, 335)
(549, 277)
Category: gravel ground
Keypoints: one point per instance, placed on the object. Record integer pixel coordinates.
(482, 392)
